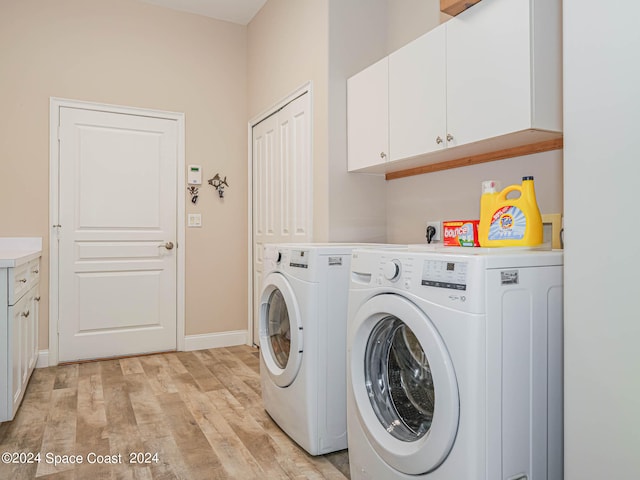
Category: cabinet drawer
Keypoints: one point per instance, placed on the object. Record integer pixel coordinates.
(19, 282)
(22, 278)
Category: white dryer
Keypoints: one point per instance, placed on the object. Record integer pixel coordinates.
(455, 365)
(303, 327)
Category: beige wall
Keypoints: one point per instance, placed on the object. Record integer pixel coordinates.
(356, 202)
(287, 47)
(220, 75)
(409, 19)
(325, 41)
(129, 53)
(454, 194)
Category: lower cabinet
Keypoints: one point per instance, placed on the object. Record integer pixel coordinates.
(19, 335)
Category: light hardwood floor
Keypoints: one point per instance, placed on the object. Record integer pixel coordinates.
(201, 412)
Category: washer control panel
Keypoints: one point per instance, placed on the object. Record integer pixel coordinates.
(454, 280)
(444, 274)
(392, 270)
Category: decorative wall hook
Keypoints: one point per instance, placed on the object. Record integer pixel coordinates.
(218, 184)
(194, 194)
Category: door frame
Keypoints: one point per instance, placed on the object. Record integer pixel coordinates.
(307, 88)
(55, 104)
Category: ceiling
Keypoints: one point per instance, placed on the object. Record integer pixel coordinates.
(236, 11)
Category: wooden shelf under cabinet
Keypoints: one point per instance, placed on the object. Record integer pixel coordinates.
(454, 7)
(500, 148)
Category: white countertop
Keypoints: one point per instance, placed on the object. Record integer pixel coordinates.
(15, 251)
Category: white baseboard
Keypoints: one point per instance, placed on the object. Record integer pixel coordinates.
(43, 359)
(191, 342)
(216, 340)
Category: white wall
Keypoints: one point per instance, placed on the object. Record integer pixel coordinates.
(602, 288)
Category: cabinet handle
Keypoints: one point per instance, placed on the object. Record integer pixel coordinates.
(26, 314)
(438, 140)
(449, 137)
(37, 299)
(383, 155)
(22, 280)
(36, 270)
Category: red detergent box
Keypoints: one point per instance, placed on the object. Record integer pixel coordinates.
(461, 233)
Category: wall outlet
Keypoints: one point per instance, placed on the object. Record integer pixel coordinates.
(437, 237)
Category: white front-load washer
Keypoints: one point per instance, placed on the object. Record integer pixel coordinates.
(303, 328)
(455, 365)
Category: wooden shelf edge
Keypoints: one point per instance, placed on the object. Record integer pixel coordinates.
(455, 7)
(529, 149)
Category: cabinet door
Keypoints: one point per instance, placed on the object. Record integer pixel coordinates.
(417, 96)
(30, 330)
(488, 71)
(17, 332)
(33, 334)
(26, 345)
(368, 116)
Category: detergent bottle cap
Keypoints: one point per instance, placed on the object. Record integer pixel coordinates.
(527, 178)
(490, 186)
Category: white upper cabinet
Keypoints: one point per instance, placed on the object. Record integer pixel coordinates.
(485, 81)
(368, 118)
(417, 99)
(503, 69)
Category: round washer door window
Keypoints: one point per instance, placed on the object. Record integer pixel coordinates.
(398, 380)
(280, 330)
(403, 384)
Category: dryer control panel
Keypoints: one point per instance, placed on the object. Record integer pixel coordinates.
(299, 259)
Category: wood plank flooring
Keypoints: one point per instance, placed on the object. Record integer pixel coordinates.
(200, 412)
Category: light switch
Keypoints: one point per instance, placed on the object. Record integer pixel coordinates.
(194, 220)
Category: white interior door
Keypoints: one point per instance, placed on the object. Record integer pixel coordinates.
(282, 188)
(117, 290)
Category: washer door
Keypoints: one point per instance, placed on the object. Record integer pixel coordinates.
(280, 330)
(404, 384)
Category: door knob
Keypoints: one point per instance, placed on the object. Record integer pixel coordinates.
(168, 246)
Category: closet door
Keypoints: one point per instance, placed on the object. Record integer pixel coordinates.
(282, 186)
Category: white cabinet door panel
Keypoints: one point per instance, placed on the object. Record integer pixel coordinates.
(368, 116)
(18, 316)
(417, 98)
(489, 71)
